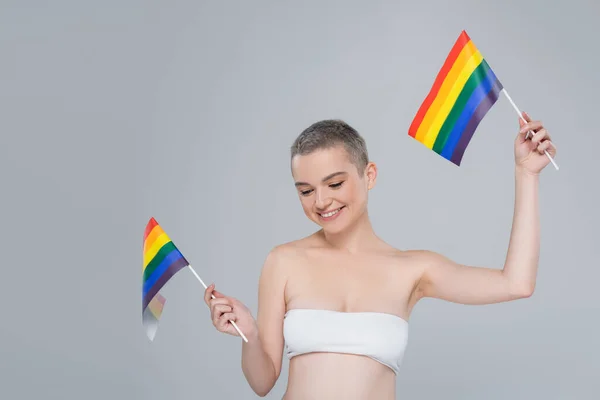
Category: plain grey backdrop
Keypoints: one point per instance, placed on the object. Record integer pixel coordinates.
(116, 111)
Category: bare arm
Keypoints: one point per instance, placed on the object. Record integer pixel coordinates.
(447, 280)
(262, 355)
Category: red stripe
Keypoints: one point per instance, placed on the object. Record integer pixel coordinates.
(461, 42)
(151, 224)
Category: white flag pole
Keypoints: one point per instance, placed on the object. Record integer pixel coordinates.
(213, 296)
(527, 136)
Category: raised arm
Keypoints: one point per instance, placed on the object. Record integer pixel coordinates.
(262, 355)
(444, 279)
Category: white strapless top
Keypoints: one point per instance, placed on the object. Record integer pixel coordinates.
(380, 336)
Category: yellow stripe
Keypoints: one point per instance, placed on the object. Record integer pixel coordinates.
(154, 233)
(465, 54)
(149, 254)
(465, 73)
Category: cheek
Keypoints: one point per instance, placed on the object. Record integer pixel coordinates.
(306, 203)
(355, 194)
(351, 191)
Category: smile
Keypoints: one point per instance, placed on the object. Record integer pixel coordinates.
(331, 213)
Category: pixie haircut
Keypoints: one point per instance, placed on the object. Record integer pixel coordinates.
(330, 133)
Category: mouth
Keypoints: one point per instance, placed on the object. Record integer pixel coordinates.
(331, 215)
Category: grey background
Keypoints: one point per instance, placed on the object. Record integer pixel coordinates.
(116, 111)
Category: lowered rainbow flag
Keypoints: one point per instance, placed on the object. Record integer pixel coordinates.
(464, 90)
(161, 260)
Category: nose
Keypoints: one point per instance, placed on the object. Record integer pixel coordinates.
(322, 200)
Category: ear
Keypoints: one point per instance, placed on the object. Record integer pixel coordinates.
(371, 175)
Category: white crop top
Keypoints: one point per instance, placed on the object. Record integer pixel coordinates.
(380, 336)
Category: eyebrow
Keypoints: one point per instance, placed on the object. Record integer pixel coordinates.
(328, 177)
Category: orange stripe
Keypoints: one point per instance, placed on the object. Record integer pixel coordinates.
(152, 236)
(461, 42)
(463, 58)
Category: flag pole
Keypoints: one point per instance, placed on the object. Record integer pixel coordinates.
(213, 296)
(527, 136)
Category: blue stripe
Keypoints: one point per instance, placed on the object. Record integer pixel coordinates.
(480, 93)
(173, 256)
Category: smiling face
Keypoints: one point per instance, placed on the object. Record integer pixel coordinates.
(332, 192)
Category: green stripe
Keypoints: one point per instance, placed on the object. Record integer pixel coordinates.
(158, 258)
(474, 80)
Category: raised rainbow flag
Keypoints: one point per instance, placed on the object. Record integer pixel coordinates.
(161, 260)
(464, 90)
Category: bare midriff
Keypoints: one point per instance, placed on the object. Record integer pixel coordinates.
(326, 376)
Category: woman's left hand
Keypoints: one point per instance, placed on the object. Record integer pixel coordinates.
(529, 153)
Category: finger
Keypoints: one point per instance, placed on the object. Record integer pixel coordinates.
(216, 315)
(526, 117)
(222, 308)
(230, 316)
(544, 146)
(216, 302)
(207, 293)
(224, 320)
(218, 294)
(531, 126)
(540, 136)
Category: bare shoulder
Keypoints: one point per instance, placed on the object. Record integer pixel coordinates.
(289, 249)
(420, 262)
(423, 257)
(417, 261)
(282, 257)
(296, 248)
(411, 257)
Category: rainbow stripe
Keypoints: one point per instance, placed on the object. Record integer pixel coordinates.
(161, 260)
(464, 90)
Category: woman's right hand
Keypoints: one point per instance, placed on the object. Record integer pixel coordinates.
(224, 309)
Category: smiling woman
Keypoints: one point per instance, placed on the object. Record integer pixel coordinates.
(316, 297)
(329, 163)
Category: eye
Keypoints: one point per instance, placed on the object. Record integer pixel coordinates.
(336, 185)
(305, 192)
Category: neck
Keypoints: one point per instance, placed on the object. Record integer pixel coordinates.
(356, 238)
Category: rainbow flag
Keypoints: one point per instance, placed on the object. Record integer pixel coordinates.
(161, 260)
(464, 90)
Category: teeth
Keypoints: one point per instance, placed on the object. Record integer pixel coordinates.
(330, 213)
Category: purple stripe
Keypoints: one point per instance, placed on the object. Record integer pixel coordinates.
(172, 270)
(485, 105)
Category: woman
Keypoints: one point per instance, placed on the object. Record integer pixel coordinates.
(340, 299)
